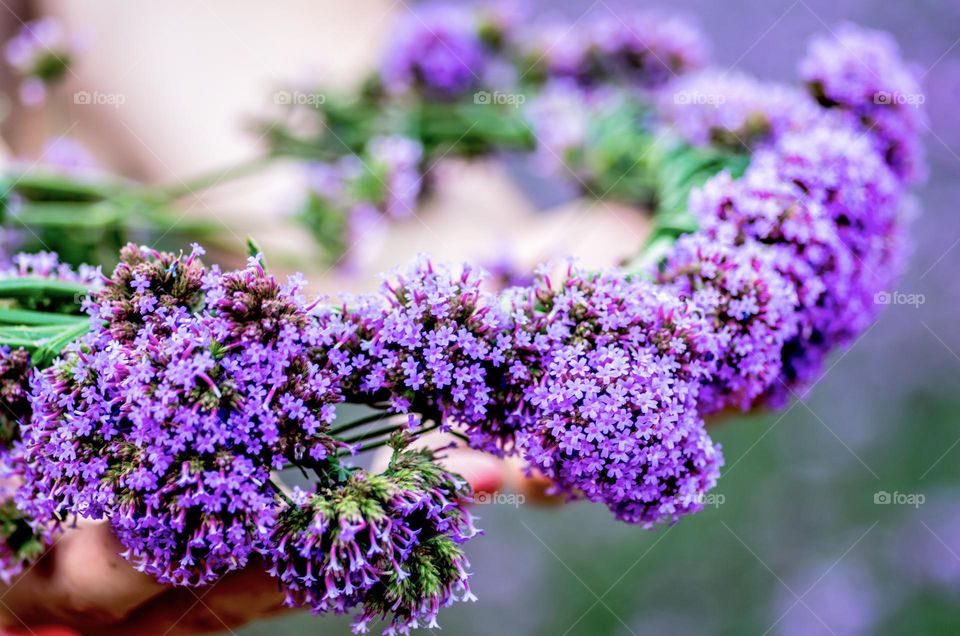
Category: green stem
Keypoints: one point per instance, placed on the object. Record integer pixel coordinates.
(45, 354)
(389, 430)
(28, 287)
(384, 442)
(369, 419)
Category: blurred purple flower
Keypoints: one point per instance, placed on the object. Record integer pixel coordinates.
(734, 110)
(436, 50)
(862, 72)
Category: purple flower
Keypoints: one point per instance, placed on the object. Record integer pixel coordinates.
(734, 110)
(41, 53)
(386, 543)
(48, 265)
(612, 369)
(750, 305)
(68, 156)
(168, 416)
(436, 50)
(639, 50)
(437, 347)
(395, 163)
(862, 72)
(829, 206)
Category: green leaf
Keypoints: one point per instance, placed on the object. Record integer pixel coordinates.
(37, 318)
(31, 287)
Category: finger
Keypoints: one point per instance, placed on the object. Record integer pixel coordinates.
(530, 483)
(483, 472)
(91, 582)
(236, 599)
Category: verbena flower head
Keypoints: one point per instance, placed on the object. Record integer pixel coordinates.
(48, 265)
(751, 307)
(435, 50)
(828, 204)
(437, 348)
(862, 72)
(646, 49)
(41, 53)
(392, 165)
(641, 50)
(169, 415)
(612, 369)
(838, 168)
(734, 110)
(386, 543)
(560, 116)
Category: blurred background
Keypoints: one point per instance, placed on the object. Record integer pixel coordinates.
(840, 515)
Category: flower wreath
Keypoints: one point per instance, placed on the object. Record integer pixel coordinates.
(170, 406)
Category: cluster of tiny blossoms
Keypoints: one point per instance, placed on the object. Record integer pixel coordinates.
(612, 368)
(639, 49)
(41, 53)
(734, 110)
(400, 531)
(433, 344)
(860, 72)
(751, 309)
(168, 417)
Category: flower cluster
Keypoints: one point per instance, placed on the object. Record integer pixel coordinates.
(861, 72)
(612, 368)
(640, 50)
(432, 344)
(41, 53)
(828, 204)
(169, 415)
(751, 309)
(734, 110)
(349, 198)
(437, 51)
(48, 265)
(388, 543)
